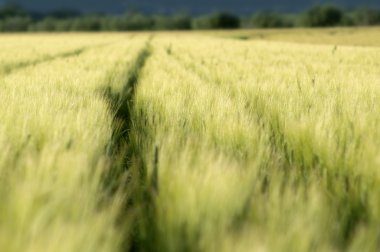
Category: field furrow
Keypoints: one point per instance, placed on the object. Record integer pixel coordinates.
(189, 142)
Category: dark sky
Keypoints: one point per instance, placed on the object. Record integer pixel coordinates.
(188, 6)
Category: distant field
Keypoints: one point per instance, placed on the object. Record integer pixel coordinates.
(330, 36)
(210, 141)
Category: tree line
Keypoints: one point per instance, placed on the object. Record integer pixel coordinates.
(14, 18)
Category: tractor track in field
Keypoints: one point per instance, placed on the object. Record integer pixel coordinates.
(8, 69)
(128, 171)
(11, 68)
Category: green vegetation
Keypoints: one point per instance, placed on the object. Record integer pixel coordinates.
(13, 18)
(323, 16)
(216, 21)
(55, 135)
(267, 19)
(259, 149)
(190, 142)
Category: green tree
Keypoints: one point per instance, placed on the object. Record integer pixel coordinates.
(137, 21)
(216, 21)
(268, 19)
(12, 10)
(366, 16)
(322, 16)
(177, 22)
(15, 24)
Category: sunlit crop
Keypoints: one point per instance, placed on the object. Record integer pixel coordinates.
(190, 142)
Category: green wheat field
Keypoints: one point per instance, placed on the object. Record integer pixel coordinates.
(249, 140)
